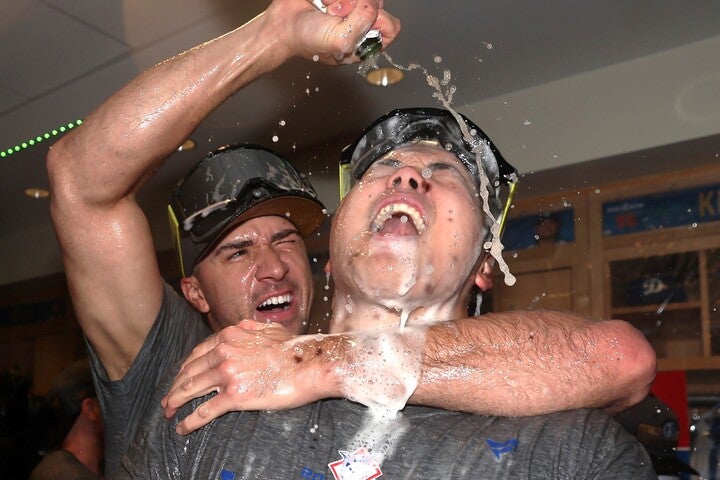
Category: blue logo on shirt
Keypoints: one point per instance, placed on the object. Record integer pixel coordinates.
(308, 474)
(498, 448)
(227, 475)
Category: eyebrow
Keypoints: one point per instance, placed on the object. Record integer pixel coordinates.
(282, 234)
(241, 244)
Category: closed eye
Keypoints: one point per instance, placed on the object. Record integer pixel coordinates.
(443, 166)
(289, 235)
(389, 162)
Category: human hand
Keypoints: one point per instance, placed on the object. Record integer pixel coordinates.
(252, 366)
(330, 37)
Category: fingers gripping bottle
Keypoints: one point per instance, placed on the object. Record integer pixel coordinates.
(369, 46)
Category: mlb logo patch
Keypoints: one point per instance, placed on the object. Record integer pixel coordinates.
(358, 465)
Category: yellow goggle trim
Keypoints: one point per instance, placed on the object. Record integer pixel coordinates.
(344, 174)
(175, 232)
(512, 187)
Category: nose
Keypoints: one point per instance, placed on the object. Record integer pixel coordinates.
(407, 177)
(270, 264)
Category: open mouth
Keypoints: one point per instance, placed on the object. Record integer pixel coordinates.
(398, 219)
(276, 303)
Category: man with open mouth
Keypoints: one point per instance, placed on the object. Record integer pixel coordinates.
(239, 268)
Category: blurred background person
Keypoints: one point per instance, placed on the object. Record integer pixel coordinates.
(79, 428)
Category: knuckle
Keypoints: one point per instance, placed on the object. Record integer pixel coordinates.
(204, 411)
(224, 351)
(226, 334)
(187, 384)
(228, 368)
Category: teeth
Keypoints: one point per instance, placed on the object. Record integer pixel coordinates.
(277, 300)
(409, 212)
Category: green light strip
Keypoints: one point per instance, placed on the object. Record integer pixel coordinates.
(6, 152)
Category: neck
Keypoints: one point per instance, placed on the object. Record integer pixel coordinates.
(353, 312)
(85, 441)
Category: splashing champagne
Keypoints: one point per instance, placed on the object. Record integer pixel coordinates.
(443, 93)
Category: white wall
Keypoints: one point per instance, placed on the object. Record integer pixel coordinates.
(657, 100)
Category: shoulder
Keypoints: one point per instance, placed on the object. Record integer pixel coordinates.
(61, 464)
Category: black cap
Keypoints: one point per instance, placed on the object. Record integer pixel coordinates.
(232, 185)
(655, 426)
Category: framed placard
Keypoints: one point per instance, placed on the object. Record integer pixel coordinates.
(679, 208)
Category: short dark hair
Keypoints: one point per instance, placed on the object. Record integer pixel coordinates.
(69, 388)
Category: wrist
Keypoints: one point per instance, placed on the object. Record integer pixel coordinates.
(279, 30)
(382, 368)
(321, 359)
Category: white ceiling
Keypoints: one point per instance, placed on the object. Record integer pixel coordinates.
(553, 83)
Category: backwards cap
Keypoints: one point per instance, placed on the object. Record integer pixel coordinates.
(405, 125)
(232, 185)
(655, 426)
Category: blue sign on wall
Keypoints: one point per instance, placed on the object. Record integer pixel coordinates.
(663, 210)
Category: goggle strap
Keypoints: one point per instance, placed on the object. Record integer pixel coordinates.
(175, 232)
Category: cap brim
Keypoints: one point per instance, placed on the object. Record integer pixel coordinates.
(306, 214)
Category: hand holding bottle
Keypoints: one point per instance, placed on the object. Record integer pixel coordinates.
(332, 31)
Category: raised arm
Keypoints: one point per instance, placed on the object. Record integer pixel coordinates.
(515, 363)
(97, 169)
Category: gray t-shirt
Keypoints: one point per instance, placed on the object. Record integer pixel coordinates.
(313, 441)
(62, 465)
(176, 331)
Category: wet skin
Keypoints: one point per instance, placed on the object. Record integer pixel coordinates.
(259, 271)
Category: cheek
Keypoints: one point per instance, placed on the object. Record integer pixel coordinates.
(460, 232)
(236, 291)
(237, 286)
(300, 265)
(347, 224)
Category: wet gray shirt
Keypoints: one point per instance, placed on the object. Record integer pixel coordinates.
(314, 441)
(177, 329)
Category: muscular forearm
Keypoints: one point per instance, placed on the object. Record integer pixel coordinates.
(515, 363)
(530, 362)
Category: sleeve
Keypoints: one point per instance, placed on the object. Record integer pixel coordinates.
(177, 329)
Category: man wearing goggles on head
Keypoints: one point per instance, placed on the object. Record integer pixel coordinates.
(252, 267)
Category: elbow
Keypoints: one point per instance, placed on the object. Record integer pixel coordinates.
(61, 164)
(636, 366)
(55, 161)
(57, 167)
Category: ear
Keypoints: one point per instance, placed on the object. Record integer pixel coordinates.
(194, 294)
(91, 409)
(483, 277)
(328, 267)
